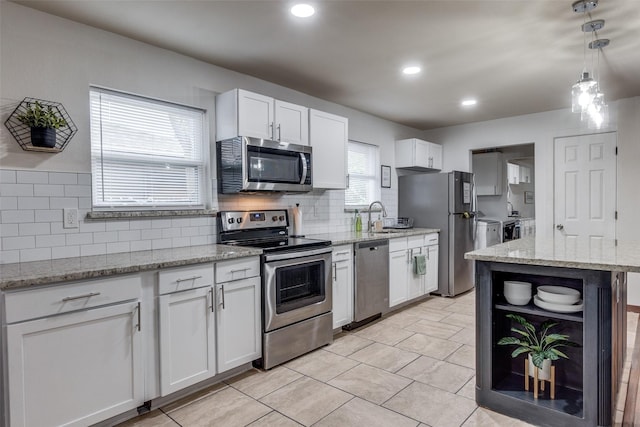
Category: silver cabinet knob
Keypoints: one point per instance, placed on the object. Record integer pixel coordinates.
(560, 227)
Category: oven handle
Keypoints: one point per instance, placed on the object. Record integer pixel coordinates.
(304, 168)
(298, 254)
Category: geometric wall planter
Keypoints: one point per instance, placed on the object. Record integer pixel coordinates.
(22, 132)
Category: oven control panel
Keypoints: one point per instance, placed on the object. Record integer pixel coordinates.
(251, 220)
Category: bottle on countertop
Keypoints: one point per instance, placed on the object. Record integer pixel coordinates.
(358, 221)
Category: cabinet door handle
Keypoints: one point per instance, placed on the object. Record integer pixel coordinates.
(239, 270)
(342, 253)
(222, 295)
(89, 295)
(347, 180)
(279, 133)
(335, 271)
(212, 300)
(139, 310)
(271, 130)
(188, 279)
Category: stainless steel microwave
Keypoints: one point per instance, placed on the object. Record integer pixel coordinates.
(252, 164)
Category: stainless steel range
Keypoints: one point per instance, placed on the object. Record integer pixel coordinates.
(296, 282)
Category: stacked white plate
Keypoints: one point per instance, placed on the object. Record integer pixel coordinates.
(558, 298)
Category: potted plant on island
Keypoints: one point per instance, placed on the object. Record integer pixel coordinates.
(43, 122)
(541, 346)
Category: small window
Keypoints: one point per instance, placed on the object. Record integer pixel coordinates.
(145, 153)
(364, 167)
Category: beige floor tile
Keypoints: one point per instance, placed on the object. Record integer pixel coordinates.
(432, 406)
(434, 329)
(437, 373)
(384, 357)
(462, 307)
(469, 389)
(360, 413)
(428, 313)
(401, 319)
(321, 365)
(460, 319)
(384, 334)
(227, 408)
(465, 336)
(347, 344)
(194, 397)
(437, 302)
(306, 400)
(257, 383)
(429, 346)
(372, 384)
(464, 356)
(152, 419)
(274, 419)
(482, 417)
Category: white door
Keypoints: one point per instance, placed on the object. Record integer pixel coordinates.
(415, 283)
(186, 322)
(75, 369)
(342, 293)
(292, 123)
(255, 115)
(585, 188)
(239, 326)
(398, 277)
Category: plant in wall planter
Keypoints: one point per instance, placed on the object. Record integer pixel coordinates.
(541, 346)
(43, 122)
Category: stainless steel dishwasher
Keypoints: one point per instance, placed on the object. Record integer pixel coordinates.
(371, 297)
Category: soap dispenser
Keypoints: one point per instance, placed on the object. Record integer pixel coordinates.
(358, 222)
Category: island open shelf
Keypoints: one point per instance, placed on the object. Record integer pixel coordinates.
(586, 383)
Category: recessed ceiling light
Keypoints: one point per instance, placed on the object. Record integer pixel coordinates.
(414, 69)
(469, 102)
(302, 10)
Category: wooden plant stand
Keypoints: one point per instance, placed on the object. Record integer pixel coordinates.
(552, 380)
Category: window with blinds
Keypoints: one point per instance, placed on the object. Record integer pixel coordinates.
(145, 153)
(363, 165)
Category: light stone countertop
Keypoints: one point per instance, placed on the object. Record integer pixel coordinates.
(564, 252)
(343, 238)
(26, 274)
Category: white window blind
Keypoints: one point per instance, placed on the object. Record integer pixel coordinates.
(363, 164)
(145, 153)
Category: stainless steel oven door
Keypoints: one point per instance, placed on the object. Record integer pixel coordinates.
(297, 286)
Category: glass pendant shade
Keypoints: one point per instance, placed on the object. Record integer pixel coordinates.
(583, 93)
(597, 114)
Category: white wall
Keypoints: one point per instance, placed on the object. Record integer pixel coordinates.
(541, 129)
(55, 59)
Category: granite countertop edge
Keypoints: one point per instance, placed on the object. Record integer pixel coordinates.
(38, 273)
(348, 237)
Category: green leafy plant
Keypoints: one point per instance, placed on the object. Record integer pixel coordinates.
(540, 344)
(38, 116)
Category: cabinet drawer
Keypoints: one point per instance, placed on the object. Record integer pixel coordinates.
(398, 244)
(431, 239)
(184, 278)
(415, 241)
(237, 269)
(342, 253)
(66, 297)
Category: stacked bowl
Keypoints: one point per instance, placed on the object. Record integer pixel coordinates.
(517, 293)
(558, 298)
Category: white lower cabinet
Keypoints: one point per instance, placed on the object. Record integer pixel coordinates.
(342, 291)
(187, 338)
(404, 283)
(239, 325)
(76, 368)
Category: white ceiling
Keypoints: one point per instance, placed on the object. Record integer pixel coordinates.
(516, 57)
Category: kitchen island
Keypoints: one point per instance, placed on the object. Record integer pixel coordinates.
(588, 382)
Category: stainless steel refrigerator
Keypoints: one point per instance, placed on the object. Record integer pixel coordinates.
(446, 201)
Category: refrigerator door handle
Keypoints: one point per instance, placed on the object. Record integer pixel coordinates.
(474, 208)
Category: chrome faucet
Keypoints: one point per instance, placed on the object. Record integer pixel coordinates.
(384, 214)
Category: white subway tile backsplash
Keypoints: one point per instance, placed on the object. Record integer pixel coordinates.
(139, 224)
(93, 226)
(25, 203)
(105, 237)
(77, 190)
(117, 225)
(48, 190)
(90, 250)
(65, 252)
(84, 179)
(34, 229)
(141, 245)
(161, 223)
(181, 222)
(168, 233)
(8, 202)
(25, 190)
(113, 248)
(20, 242)
(9, 230)
(7, 176)
(32, 177)
(16, 217)
(63, 202)
(58, 228)
(150, 234)
(8, 257)
(128, 235)
(63, 178)
(27, 255)
(48, 215)
(178, 242)
(160, 243)
(48, 241)
(78, 239)
(84, 203)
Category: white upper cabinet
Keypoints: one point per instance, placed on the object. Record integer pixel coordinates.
(328, 137)
(513, 173)
(487, 168)
(416, 154)
(243, 113)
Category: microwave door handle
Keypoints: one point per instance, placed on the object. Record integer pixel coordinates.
(304, 168)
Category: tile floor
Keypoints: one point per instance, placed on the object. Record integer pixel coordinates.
(414, 368)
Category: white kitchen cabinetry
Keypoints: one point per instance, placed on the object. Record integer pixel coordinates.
(328, 136)
(518, 174)
(243, 113)
(416, 154)
(238, 294)
(342, 285)
(524, 174)
(404, 283)
(80, 361)
(488, 168)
